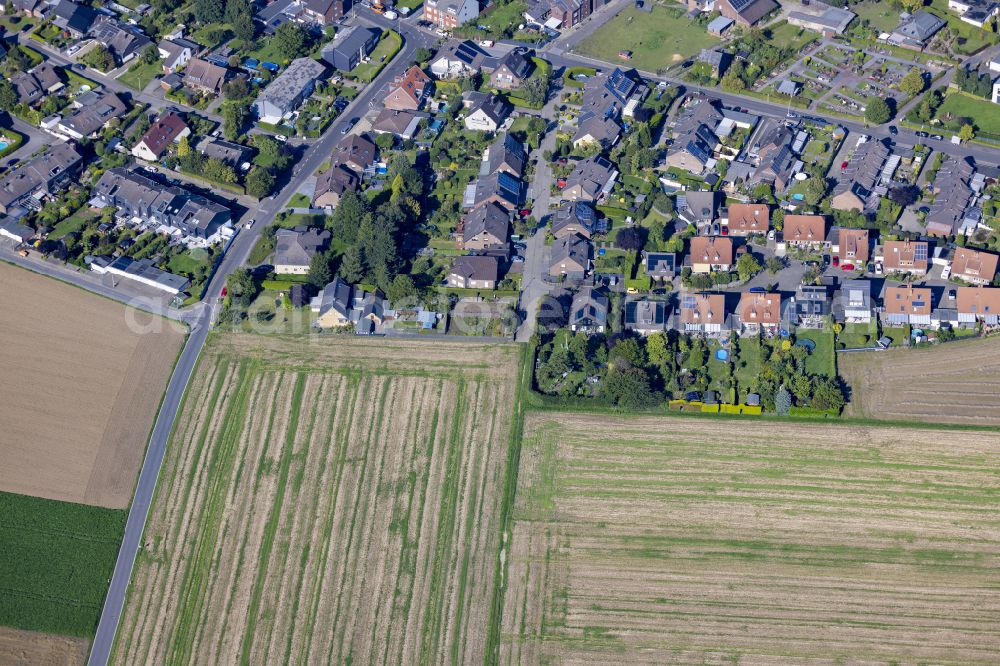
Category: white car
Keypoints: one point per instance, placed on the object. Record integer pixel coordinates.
(945, 272)
(250, 223)
(878, 268)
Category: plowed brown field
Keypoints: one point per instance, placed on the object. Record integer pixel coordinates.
(669, 540)
(79, 390)
(328, 501)
(30, 648)
(958, 382)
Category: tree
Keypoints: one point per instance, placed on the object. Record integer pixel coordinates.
(401, 290)
(877, 111)
(100, 58)
(183, 147)
(628, 389)
(291, 40)
(243, 25)
(208, 11)
(966, 132)
(352, 265)
(422, 55)
(782, 401)
(747, 266)
(151, 55)
(628, 238)
(259, 183)
(904, 195)
(236, 88)
(630, 351)
(242, 288)
(319, 270)
(8, 96)
(385, 141)
(815, 190)
(234, 116)
(913, 83)
(534, 91)
(911, 5)
(827, 394)
(347, 216)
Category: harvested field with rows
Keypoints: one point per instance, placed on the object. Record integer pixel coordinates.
(958, 382)
(329, 500)
(653, 540)
(82, 381)
(29, 648)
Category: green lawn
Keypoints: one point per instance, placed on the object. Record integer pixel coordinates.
(55, 562)
(657, 40)
(858, 335)
(821, 360)
(74, 222)
(882, 16)
(387, 47)
(984, 113)
(975, 38)
(299, 200)
(140, 74)
(747, 364)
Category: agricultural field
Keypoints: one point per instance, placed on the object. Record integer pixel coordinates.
(957, 382)
(329, 500)
(29, 648)
(652, 540)
(55, 562)
(657, 40)
(83, 378)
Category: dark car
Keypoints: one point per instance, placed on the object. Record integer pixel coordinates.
(893, 130)
(923, 135)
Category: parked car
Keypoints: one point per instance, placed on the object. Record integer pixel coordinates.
(250, 223)
(847, 267)
(937, 137)
(923, 135)
(893, 130)
(878, 269)
(836, 261)
(518, 259)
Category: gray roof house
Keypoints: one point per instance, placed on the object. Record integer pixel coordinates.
(855, 303)
(914, 32)
(14, 231)
(855, 187)
(953, 195)
(486, 227)
(485, 112)
(645, 316)
(511, 71)
(589, 311)
(295, 248)
(92, 112)
(570, 257)
(122, 40)
(283, 95)
(137, 196)
(591, 180)
(42, 173)
(660, 266)
(229, 152)
(474, 272)
(347, 51)
(574, 217)
(500, 187)
(457, 59)
(698, 208)
(73, 18)
(695, 139)
(505, 154)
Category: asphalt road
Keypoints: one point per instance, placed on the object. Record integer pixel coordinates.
(315, 155)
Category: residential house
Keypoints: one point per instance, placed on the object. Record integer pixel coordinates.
(747, 219)
(486, 227)
(973, 266)
(167, 130)
(334, 305)
(512, 71)
(704, 313)
(856, 183)
(18, 233)
(403, 124)
(851, 246)
(175, 210)
(73, 18)
(295, 248)
(978, 304)
(698, 208)
(350, 48)
(559, 13)
(36, 83)
(91, 112)
(596, 129)
(449, 14)
(695, 140)
(855, 302)
(505, 154)
(485, 112)
(176, 53)
(605, 99)
(499, 187)
(571, 256)
(331, 185)
(811, 305)
(916, 31)
(759, 313)
(907, 305)
(408, 90)
(711, 253)
(905, 256)
(207, 77)
(326, 12)
(574, 217)
(122, 40)
(357, 152)
(474, 272)
(660, 266)
(287, 92)
(32, 8)
(588, 312)
(39, 175)
(975, 12)
(953, 196)
(457, 59)
(775, 158)
(233, 154)
(142, 271)
(715, 61)
(805, 231)
(591, 180)
(745, 12)
(646, 317)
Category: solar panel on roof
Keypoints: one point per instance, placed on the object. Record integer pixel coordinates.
(920, 253)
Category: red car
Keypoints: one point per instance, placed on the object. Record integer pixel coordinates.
(836, 261)
(725, 231)
(843, 166)
(847, 267)
(525, 212)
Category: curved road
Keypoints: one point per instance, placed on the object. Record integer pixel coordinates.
(315, 155)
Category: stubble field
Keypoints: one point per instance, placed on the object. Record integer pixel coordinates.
(670, 540)
(28, 648)
(958, 382)
(80, 390)
(334, 501)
